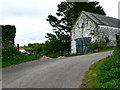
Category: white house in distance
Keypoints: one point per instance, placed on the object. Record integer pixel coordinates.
(91, 27)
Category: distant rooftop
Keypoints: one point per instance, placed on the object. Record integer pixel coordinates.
(103, 20)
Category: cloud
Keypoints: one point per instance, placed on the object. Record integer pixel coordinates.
(30, 41)
(110, 7)
(30, 28)
(29, 8)
(29, 17)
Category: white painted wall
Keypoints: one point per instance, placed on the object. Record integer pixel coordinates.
(107, 31)
(96, 32)
(79, 32)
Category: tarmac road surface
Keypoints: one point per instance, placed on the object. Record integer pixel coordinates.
(53, 73)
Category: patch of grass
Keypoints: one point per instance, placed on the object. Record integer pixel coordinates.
(90, 77)
(103, 50)
(100, 50)
(16, 59)
(74, 55)
(54, 55)
(103, 74)
(107, 49)
(11, 56)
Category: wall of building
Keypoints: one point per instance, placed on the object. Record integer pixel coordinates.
(84, 27)
(90, 29)
(107, 31)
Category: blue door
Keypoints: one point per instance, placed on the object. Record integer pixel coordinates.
(82, 45)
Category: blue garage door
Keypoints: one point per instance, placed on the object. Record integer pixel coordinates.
(82, 45)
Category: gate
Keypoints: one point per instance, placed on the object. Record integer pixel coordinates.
(82, 45)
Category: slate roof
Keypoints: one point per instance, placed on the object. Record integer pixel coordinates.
(103, 20)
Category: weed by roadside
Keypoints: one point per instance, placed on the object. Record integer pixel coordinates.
(103, 74)
(12, 56)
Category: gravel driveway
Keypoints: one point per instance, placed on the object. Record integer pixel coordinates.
(52, 73)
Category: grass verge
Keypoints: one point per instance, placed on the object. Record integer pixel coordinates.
(103, 50)
(11, 56)
(100, 50)
(103, 74)
(18, 59)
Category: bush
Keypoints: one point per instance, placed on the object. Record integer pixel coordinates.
(102, 45)
(11, 56)
(54, 55)
(8, 32)
(117, 49)
(109, 72)
(99, 45)
(52, 46)
(93, 45)
(107, 40)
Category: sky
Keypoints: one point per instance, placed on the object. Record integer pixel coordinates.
(29, 17)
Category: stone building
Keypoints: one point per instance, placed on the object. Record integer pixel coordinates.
(90, 27)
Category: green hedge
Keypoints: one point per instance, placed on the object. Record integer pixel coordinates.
(12, 56)
(8, 32)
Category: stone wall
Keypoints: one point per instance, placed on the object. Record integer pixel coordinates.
(8, 43)
(84, 27)
(107, 31)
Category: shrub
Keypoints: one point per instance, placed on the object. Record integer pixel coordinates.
(102, 45)
(54, 55)
(52, 46)
(109, 70)
(93, 45)
(107, 40)
(11, 56)
(117, 49)
(8, 32)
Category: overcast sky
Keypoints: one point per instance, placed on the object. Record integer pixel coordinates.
(29, 17)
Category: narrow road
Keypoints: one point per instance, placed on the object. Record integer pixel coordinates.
(52, 73)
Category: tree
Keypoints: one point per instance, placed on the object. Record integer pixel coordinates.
(49, 35)
(38, 47)
(30, 45)
(67, 14)
(53, 45)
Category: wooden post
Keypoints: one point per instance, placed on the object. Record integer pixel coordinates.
(18, 46)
